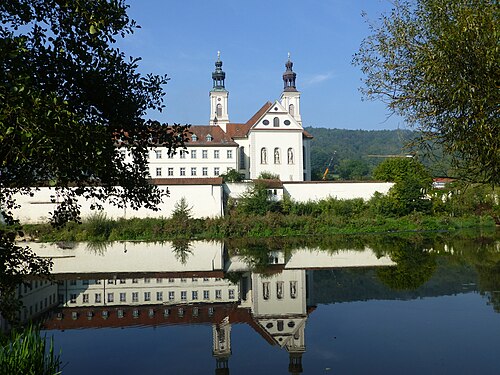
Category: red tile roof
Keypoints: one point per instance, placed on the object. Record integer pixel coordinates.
(253, 120)
(218, 136)
(238, 130)
(187, 181)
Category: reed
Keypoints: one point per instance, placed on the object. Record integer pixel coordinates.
(26, 352)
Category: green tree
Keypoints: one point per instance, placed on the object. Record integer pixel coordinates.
(69, 98)
(412, 182)
(437, 64)
(232, 176)
(353, 169)
(256, 200)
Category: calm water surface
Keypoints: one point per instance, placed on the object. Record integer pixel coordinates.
(402, 306)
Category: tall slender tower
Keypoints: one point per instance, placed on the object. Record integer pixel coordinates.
(290, 97)
(219, 97)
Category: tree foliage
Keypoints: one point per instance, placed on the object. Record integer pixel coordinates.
(412, 182)
(437, 64)
(69, 98)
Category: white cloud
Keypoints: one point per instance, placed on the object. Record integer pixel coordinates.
(318, 78)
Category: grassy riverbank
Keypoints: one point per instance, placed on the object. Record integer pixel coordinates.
(99, 228)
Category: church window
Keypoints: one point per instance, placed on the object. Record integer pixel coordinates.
(287, 122)
(219, 110)
(265, 290)
(276, 155)
(276, 122)
(263, 156)
(293, 289)
(279, 289)
(242, 157)
(291, 109)
(290, 156)
(280, 325)
(265, 122)
(194, 137)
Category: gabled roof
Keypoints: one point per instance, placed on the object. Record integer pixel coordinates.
(237, 130)
(261, 112)
(218, 136)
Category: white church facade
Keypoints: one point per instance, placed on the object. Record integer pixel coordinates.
(272, 141)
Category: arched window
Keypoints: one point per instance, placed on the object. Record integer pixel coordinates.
(276, 122)
(291, 109)
(219, 110)
(276, 155)
(290, 156)
(263, 156)
(242, 157)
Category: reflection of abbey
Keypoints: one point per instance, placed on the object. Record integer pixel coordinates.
(153, 284)
(272, 140)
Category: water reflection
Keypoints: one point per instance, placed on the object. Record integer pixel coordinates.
(274, 292)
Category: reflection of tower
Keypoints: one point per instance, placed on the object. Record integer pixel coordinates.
(221, 349)
(296, 347)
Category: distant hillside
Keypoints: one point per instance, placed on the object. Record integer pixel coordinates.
(354, 149)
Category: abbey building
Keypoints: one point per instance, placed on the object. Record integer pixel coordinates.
(271, 141)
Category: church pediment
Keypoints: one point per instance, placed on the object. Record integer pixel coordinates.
(276, 118)
(282, 330)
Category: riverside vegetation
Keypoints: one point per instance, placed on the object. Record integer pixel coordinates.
(405, 208)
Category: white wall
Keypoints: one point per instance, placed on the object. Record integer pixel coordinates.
(205, 201)
(311, 191)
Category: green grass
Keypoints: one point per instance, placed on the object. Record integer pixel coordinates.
(25, 352)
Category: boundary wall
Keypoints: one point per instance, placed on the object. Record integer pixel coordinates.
(205, 198)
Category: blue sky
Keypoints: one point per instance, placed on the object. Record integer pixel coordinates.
(181, 39)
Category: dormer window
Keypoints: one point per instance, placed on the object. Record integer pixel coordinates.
(194, 138)
(209, 138)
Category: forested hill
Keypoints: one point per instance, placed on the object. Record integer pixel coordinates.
(354, 152)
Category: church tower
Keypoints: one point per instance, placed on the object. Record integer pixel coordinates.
(218, 97)
(290, 98)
